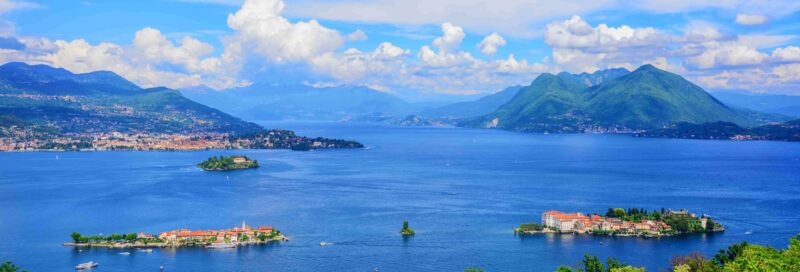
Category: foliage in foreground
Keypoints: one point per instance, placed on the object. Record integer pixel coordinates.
(737, 257)
(9, 267)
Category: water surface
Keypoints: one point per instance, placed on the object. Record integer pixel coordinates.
(463, 191)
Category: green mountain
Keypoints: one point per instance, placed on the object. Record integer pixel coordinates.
(102, 101)
(643, 99)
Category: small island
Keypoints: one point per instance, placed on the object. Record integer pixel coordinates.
(228, 163)
(621, 222)
(406, 231)
(227, 238)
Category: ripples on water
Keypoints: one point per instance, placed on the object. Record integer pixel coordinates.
(462, 190)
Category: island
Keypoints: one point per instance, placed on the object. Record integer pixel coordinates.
(622, 222)
(406, 231)
(228, 163)
(227, 238)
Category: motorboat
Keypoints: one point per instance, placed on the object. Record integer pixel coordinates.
(221, 245)
(88, 265)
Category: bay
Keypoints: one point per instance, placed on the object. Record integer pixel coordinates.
(462, 190)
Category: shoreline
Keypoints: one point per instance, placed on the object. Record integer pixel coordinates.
(280, 238)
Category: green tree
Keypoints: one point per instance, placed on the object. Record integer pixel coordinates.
(592, 264)
(9, 267)
(130, 236)
(695, 261)
(733, 251)
(564, 269)
(474, 269)
(76, 237)
(627, 269)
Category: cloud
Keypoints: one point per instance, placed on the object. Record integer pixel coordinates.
(357, 35)
(259, 28)
(577, 33)
(491, 43)
(513, 18)
(726, 55)
(9, 5)
(451, 40)
(786, 54)
(750, 19)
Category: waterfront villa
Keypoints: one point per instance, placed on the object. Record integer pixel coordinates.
(234, 235)
(580, 223)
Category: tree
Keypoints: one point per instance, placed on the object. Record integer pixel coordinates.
(695, 261)
(76, 237)
(130, 236)
(627, 269)
(564, 269)
(733, 251)
(9, 267)
(474, 269)
(592, 264)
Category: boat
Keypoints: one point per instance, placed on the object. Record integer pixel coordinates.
(221, 245)
(88, 265)
(124, 253)
(325, 243)
(146, 250)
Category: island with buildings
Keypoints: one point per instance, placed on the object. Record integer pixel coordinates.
(621, 222)
(227, 238)
(227, 163)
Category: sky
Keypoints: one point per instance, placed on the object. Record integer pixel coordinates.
(418, 50)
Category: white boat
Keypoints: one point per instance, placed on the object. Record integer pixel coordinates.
(124, 253)
(146, 250)
(221, 245)
(325, 244)
(88, 265)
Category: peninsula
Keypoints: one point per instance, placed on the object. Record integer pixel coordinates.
(621, 222)
(228, 163)
(227, 238)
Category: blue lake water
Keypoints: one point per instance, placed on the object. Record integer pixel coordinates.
(462, 190)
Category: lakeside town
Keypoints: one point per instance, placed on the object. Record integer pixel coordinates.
(621, 222)
(18, 139)
(226, 238)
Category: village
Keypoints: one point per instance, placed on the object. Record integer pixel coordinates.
(619, 222)
(227, 238)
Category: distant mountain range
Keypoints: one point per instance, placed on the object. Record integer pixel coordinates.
(779, 104)
(102, 101)
(302, 102)
(484, 105)
(646, 98)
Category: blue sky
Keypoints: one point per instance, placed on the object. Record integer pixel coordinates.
(419, 50)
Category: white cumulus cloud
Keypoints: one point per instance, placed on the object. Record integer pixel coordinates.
(491, 43)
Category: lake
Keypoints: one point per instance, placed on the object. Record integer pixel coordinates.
(463, 190)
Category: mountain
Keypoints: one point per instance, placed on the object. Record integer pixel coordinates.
(276, 102)
(779, 104)
(490, 103)
(645, 98)
(601, 76)
(103, 101)
(650, 97)
(482, 106)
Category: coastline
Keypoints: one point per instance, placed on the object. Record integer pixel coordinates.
(279, 238)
